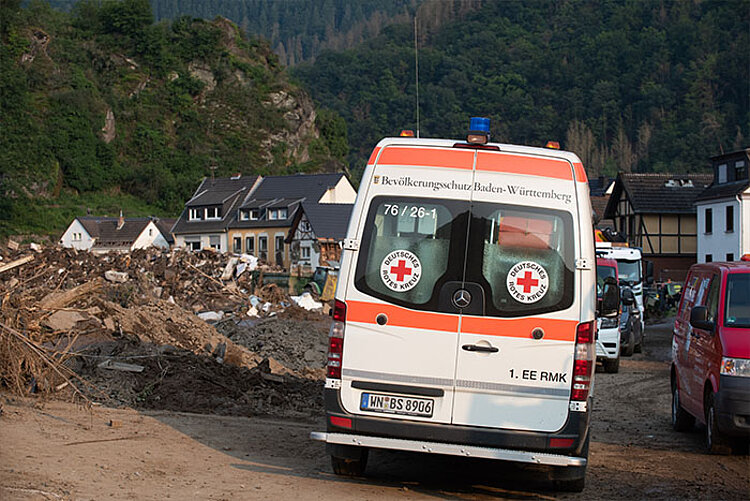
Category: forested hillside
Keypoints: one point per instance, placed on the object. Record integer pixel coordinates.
(103, 109)
(299, 30)
(629, 86)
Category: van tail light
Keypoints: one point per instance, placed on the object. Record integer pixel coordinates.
(336, 340)
(584, 361)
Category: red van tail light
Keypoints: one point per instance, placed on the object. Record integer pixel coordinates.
(584, 361)
(336, 340)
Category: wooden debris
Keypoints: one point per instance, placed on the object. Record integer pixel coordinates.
(16, 263)
(57, 300)
(120, 366)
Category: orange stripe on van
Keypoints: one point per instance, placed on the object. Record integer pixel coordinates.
(374, 156)
(581, 176)
(359, 311)
(517, 164)
(554, 329)
(427, 157)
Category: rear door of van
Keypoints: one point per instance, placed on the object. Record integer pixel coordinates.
(517, 338)
(399, 355)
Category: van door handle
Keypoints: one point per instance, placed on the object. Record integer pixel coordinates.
(480, 347)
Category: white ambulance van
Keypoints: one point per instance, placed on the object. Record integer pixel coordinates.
(464, 316)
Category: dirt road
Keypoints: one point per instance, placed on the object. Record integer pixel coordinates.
(58, 451)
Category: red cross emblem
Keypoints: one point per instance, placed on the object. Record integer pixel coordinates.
(526, 282)
(401, 271)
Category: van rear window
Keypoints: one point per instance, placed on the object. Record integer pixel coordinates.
(737, 308)
(418, 251)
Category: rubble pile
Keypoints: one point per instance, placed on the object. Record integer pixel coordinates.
(129, 329)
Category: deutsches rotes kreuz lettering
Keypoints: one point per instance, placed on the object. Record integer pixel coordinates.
(527, 282)
(507, 189)
(401, 270)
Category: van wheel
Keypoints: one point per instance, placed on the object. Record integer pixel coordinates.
(681, 420)
(348, 467)
(576, 485)
(611, 366)
(573, 478)
(638, 348)
(715, 442)
(629, 347)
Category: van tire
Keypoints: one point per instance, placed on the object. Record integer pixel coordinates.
(576, 485)
(716, 443)
(348, 467)
(611, 366)
(574, 477)
(681, 419)
(629, 347)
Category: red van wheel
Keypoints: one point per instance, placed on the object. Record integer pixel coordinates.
(681, 420)
(715, 442)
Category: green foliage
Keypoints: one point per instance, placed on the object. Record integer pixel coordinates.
(104, 104)
(126, 17)
(654, 85)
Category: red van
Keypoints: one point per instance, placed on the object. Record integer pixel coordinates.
(711, 355)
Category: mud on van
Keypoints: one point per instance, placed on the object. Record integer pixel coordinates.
(465, 307)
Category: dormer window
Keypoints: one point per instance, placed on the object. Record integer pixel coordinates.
(212, 213)
(740, 170)
(722, 173)
(254, 215)
(195, 214)
(244, 215)
(277, 213)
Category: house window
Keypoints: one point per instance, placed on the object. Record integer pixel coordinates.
(76, 237)
(250, 245)
(193, 245)
(709, 258)
(709, 221)
(305, 252)
(273, 214)
(730, 218)
(214, 241)
(740, 172)
(722, 173)
(263, 247)
(282, 213)
(244, 215)
(150, 232)
(279, 250)
(254, 215)
(304, 226)
(237, 245)
(194, 214)
(730, 256)
(212, 213)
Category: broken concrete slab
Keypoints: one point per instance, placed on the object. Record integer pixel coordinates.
(116, 276)
(63, 320)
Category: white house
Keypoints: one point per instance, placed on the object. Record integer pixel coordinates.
(723, 210)
(104, 234)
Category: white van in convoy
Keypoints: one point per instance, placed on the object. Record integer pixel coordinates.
(464, 316)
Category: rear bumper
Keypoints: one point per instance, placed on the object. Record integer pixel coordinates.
(733, 405)
(449, 449)
(454, 437)
(608, 343)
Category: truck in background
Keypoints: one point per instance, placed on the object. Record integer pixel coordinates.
(629, 269)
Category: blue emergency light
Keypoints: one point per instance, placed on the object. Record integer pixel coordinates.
(479, 130)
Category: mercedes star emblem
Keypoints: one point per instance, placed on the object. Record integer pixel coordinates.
(461, 298)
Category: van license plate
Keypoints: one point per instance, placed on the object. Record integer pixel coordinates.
(392, 404)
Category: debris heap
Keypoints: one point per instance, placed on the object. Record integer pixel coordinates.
(126, 329)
